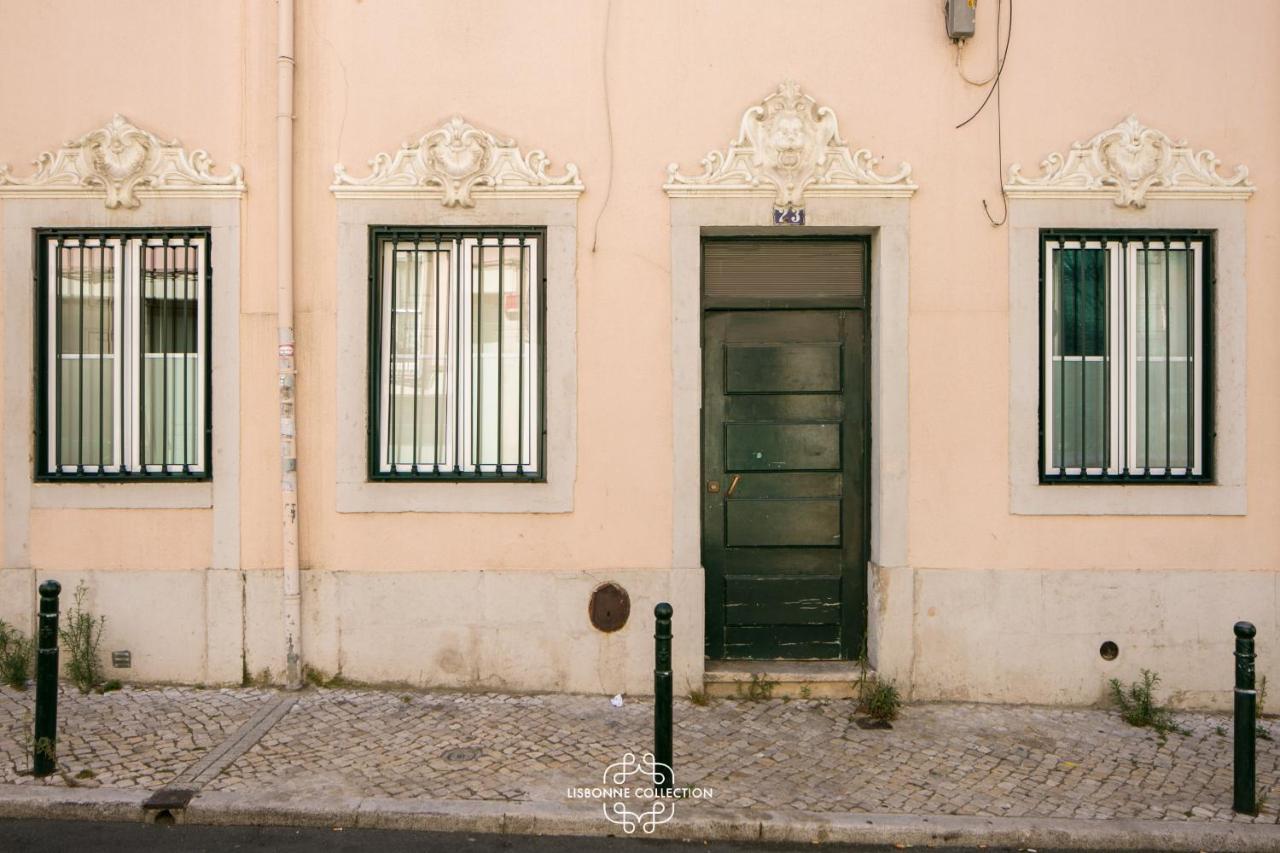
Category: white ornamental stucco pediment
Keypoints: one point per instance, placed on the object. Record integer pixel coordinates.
(455, 162)
(789, 147)
(1131, 163)
(119, 161)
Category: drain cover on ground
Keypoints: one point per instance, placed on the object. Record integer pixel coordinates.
(463, 753)
(169, 798)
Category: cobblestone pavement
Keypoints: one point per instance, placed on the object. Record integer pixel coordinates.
(955, 759)
(126, 738)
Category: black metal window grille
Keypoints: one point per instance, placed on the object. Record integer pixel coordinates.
(456, 354)
(1126, 377)
(123, 354)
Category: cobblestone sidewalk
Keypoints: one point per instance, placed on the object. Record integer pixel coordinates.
(807, 755)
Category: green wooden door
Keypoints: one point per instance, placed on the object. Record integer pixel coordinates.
(785, 432)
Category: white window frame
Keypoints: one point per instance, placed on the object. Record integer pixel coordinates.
(1227, 493)
(459, 412)
(128, 357)
(556, 213)
(1122, 337)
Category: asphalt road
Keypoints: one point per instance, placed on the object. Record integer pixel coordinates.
(77, 836)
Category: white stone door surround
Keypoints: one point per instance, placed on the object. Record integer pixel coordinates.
(789, 153)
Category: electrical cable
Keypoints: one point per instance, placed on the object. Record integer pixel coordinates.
(960, 43)
(999, 65)
(959, 61)
(608, 118)
(1000, 57)
(1004, 200)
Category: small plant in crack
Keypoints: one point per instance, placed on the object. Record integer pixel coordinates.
(760, 689)
(17, 654)
(81, 635)
(1138, 706)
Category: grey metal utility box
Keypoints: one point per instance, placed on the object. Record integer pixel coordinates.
(960, 15)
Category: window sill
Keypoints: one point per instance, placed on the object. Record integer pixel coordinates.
(1118, 499)
(551, 496)
(137, 495)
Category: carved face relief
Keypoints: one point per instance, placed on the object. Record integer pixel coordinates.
(787, 139)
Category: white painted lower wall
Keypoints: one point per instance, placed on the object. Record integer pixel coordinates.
(516, 630)
(1033, 636)
(1025, 636)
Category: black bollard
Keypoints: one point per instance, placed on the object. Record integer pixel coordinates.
(1246, 722)
(662, 699)
(46, 734)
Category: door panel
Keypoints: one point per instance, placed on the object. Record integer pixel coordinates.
(782, 447)
(791, 642)
(787, 601)
(766, 523)
(781, 368)
(784, 492)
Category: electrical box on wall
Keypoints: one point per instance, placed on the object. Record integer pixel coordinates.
(960, 15)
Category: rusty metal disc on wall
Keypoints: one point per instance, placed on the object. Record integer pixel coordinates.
(609, 608)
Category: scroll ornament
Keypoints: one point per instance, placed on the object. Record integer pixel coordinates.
(1129, 161)
(788, 143)
(119, 159)
(459, 158)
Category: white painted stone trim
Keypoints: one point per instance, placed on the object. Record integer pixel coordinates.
(1130, 163)
(354, 491)
(122, 164)
(456, 162)
(886, 220)
(790, 149)
(21, 492)
(1227, 494)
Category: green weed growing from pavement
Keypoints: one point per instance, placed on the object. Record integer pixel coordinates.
(760, 688)
(314, 676)
(699, 698)
(1138, 706)
(16, 656)
(880, 701)
(1259, 709)
(81, 634)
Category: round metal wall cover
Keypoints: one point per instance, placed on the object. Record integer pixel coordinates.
(609, 608)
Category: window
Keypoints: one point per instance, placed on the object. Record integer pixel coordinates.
(456, 361)
(1125, 377)
(123, 384)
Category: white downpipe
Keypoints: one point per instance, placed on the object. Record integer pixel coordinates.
(292, 615)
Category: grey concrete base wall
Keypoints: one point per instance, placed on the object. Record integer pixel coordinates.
(1034, 635)
(501, 630)
(1007, 635)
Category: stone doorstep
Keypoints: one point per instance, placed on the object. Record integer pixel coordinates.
(798, 679)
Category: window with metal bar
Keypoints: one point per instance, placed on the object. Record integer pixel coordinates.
(1125, 368)
(456, 354)
(123, 387)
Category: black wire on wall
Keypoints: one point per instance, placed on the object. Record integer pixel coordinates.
(1000, 56)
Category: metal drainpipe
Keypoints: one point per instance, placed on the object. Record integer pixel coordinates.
(292, 612)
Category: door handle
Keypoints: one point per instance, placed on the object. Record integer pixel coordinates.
(733, 484)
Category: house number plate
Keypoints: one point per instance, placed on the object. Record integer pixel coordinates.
(788, 216)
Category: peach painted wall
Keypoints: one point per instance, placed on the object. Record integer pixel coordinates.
(372, 74)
